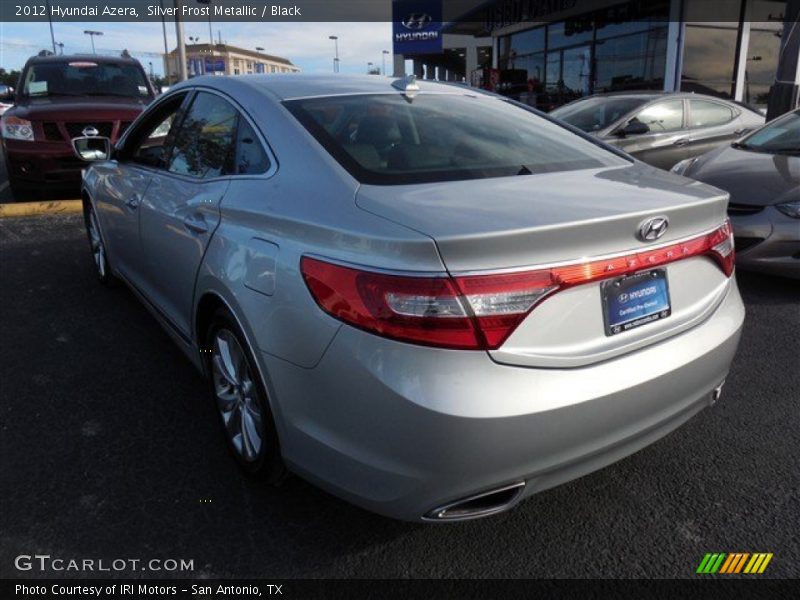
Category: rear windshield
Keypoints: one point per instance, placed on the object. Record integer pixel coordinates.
(594, 114)
(85, 78)
(389, 139)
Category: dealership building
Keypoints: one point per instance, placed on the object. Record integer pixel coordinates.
(548, 52)
(223, 59)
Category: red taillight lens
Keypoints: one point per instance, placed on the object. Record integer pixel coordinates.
(476, 311)
(423, 310)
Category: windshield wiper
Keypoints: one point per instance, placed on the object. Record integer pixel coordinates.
(524, 171)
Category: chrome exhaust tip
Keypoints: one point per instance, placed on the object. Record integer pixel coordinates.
(479, 505)
(716, 393)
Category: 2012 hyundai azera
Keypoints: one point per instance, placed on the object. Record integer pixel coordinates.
(428, 300)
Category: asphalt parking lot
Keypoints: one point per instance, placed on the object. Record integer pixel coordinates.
(110, 449)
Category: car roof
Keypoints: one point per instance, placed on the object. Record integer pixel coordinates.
(295, 85)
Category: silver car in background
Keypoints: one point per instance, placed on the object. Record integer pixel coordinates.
(762, 174)
(661, 128)
(425, 299)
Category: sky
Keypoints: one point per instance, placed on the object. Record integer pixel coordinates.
(305, 44)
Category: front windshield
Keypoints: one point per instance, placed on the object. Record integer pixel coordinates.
(388, 139)
(780, 136)
(594, 114)
(85, 78)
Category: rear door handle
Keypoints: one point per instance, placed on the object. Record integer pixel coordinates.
(680, 142)
(196, 223)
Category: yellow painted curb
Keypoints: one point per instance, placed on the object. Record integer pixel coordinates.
(27, 209)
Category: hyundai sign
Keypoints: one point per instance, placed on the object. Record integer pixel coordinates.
(417, 27)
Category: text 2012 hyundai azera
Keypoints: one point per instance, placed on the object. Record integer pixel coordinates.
(428, 300)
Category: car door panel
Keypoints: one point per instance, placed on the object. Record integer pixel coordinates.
(180, 211)
(178, 217)
(121, 191)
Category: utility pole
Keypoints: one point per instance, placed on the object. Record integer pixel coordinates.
(181, 43)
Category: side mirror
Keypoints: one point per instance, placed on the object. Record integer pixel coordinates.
(6, 92)
(92, 149)
(634, 128)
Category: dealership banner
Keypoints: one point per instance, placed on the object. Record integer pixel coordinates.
(417, 27)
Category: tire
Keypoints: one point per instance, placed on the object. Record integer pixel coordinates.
(97, 247)
(241, 400)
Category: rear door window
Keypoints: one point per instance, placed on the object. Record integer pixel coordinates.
(204, 144)
(704, 113)
(250, 159)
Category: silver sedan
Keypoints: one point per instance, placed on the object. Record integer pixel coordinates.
(426, 299)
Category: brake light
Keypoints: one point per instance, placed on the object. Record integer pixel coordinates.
(476, 311)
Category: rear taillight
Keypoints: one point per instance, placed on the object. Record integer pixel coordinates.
(477, 311)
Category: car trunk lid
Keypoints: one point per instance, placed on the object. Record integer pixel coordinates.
(536, 221)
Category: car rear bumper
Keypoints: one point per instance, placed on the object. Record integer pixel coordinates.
(43, 164)
(769, 242)
(401, 429)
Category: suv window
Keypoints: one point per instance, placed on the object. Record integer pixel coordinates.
(390, 139)
(662, 116)
(250, 156)
(705, 113)
(204, 143)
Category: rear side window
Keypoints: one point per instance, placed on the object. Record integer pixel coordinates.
(663, 116)
(204, 144)
(707, 114)
(387, 139)
(250, 156)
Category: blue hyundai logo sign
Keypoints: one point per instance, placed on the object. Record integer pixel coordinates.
(417, 27)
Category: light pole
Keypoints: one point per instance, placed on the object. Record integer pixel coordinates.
(260, 49)
(91, 35)
(335, 39)
(383, 60)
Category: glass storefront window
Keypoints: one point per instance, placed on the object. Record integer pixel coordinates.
(709, 56)
(634, 17)
(569, 33)
(527, 42)
(631, 62)
(762, 64)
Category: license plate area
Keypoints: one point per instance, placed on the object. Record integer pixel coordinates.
(636, 300)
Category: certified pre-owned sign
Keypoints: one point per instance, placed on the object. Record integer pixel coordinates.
(417, 27)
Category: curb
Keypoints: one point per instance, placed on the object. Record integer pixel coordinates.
(27, 209)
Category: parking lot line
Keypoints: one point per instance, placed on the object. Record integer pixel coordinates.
(27, 209)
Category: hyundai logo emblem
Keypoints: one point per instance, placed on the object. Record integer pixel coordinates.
(623, 298)
(417, 21)
(652, 229)
(90, 131)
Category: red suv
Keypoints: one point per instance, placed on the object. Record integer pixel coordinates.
(62, 97)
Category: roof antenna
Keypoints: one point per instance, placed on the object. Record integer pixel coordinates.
(407, 85)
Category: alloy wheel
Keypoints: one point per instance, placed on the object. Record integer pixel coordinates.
(98, 248)
(236, 395)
